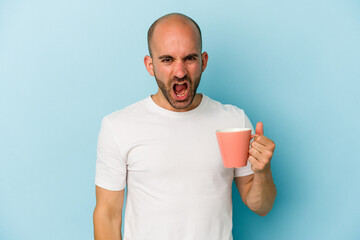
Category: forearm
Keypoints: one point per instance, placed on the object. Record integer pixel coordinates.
(261, 196)
(106, 228)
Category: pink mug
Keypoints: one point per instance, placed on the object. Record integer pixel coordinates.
(234, 146)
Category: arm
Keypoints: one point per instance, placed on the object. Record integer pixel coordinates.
(258, 190)
(108, 214)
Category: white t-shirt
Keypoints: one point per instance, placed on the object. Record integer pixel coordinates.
(177, 186)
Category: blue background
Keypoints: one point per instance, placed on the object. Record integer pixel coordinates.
(294, 65)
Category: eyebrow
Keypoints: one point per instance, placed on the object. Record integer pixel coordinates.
(165, 56)
(192, 55)
(168, 56)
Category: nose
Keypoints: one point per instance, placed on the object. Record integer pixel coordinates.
(180, 69)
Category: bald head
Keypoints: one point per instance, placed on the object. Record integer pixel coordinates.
(172, 18)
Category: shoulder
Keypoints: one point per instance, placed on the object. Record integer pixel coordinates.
(132, 111)
(224, 108)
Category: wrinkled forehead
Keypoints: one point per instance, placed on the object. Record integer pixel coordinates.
(175, 34)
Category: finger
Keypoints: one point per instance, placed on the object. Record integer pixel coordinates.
(265, 156)
(258, 146)
(268, 143)
(263, 145)
(255, 153)
(258, 155)
(259, 128)
(254, 163)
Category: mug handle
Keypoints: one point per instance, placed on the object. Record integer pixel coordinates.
(254, 135)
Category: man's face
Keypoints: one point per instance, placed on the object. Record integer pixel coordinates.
(177, 63)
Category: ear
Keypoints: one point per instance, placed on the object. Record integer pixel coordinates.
(204, 57)
(149, 65)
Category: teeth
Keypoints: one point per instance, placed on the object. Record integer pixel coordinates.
(181, 95)
(180, 83)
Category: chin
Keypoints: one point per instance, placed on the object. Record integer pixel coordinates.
(183, 104)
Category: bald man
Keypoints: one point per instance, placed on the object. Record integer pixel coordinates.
(164, 149)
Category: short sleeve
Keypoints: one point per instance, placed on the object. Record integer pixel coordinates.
(110, 164)
(246, 170)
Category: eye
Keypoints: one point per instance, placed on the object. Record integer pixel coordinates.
(166, 60)
(191, 58)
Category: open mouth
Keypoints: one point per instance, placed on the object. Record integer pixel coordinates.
(181, 90)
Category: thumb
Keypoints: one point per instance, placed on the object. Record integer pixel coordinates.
(259, 128)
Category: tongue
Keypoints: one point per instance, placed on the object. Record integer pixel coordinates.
(179, 88)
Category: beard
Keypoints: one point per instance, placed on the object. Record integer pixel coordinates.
(168, 91)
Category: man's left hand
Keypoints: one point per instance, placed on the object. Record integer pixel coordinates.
(261, 151)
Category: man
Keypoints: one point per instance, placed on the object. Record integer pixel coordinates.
(164, 150)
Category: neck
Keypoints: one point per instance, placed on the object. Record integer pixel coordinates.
(162, 102)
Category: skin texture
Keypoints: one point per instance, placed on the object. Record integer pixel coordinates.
(177, 57)
(258, 190)
(107, 215)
